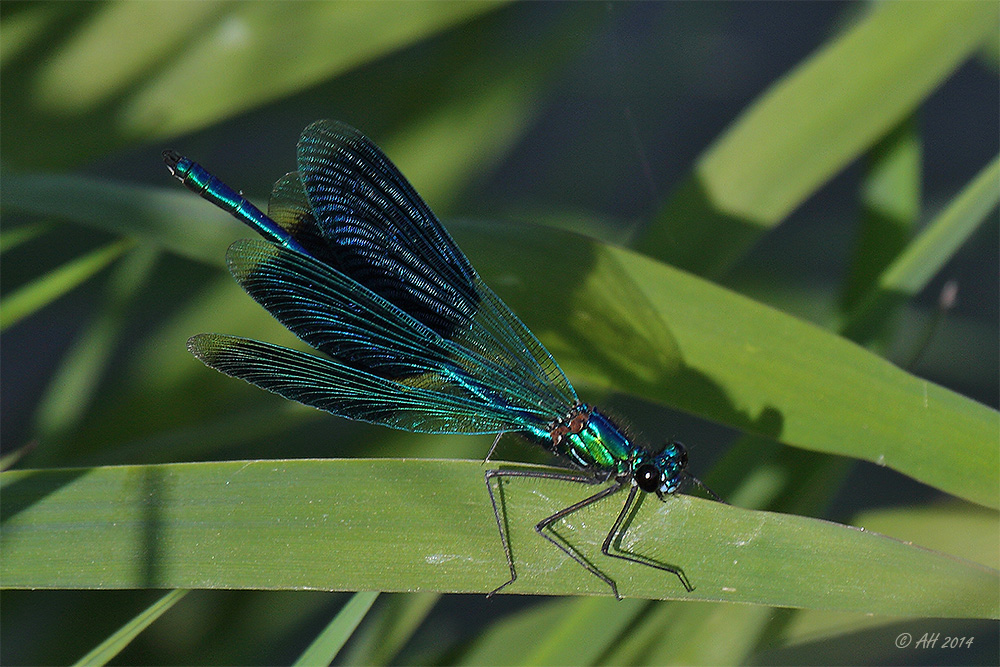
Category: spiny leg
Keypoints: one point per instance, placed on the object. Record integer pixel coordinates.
(567, 477)
(614, 537)
(563, 513)
(496, 441)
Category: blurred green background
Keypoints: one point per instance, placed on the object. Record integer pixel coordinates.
(617, 121)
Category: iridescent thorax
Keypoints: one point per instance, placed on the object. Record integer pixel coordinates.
(593, 442)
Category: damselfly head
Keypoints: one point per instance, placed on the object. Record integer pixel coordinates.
(672, 461)
(675, 454)
(663, 473)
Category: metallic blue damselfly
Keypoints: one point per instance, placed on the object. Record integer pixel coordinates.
(356, 265)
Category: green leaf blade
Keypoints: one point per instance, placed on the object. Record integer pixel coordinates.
(811, 124)
(118, 640)
(34, 296)
(329, 642)
(428, 525)
(814, 117)
(706, 350)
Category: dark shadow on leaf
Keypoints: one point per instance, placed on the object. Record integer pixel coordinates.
(693, 234)
(31, 487)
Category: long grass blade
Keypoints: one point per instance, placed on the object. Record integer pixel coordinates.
(113, 645)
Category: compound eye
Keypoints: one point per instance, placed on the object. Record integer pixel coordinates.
(647, 477)
(680, 454)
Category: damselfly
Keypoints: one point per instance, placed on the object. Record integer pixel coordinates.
(357, 266)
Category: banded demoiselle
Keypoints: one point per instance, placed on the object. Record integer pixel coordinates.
(357, 266)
